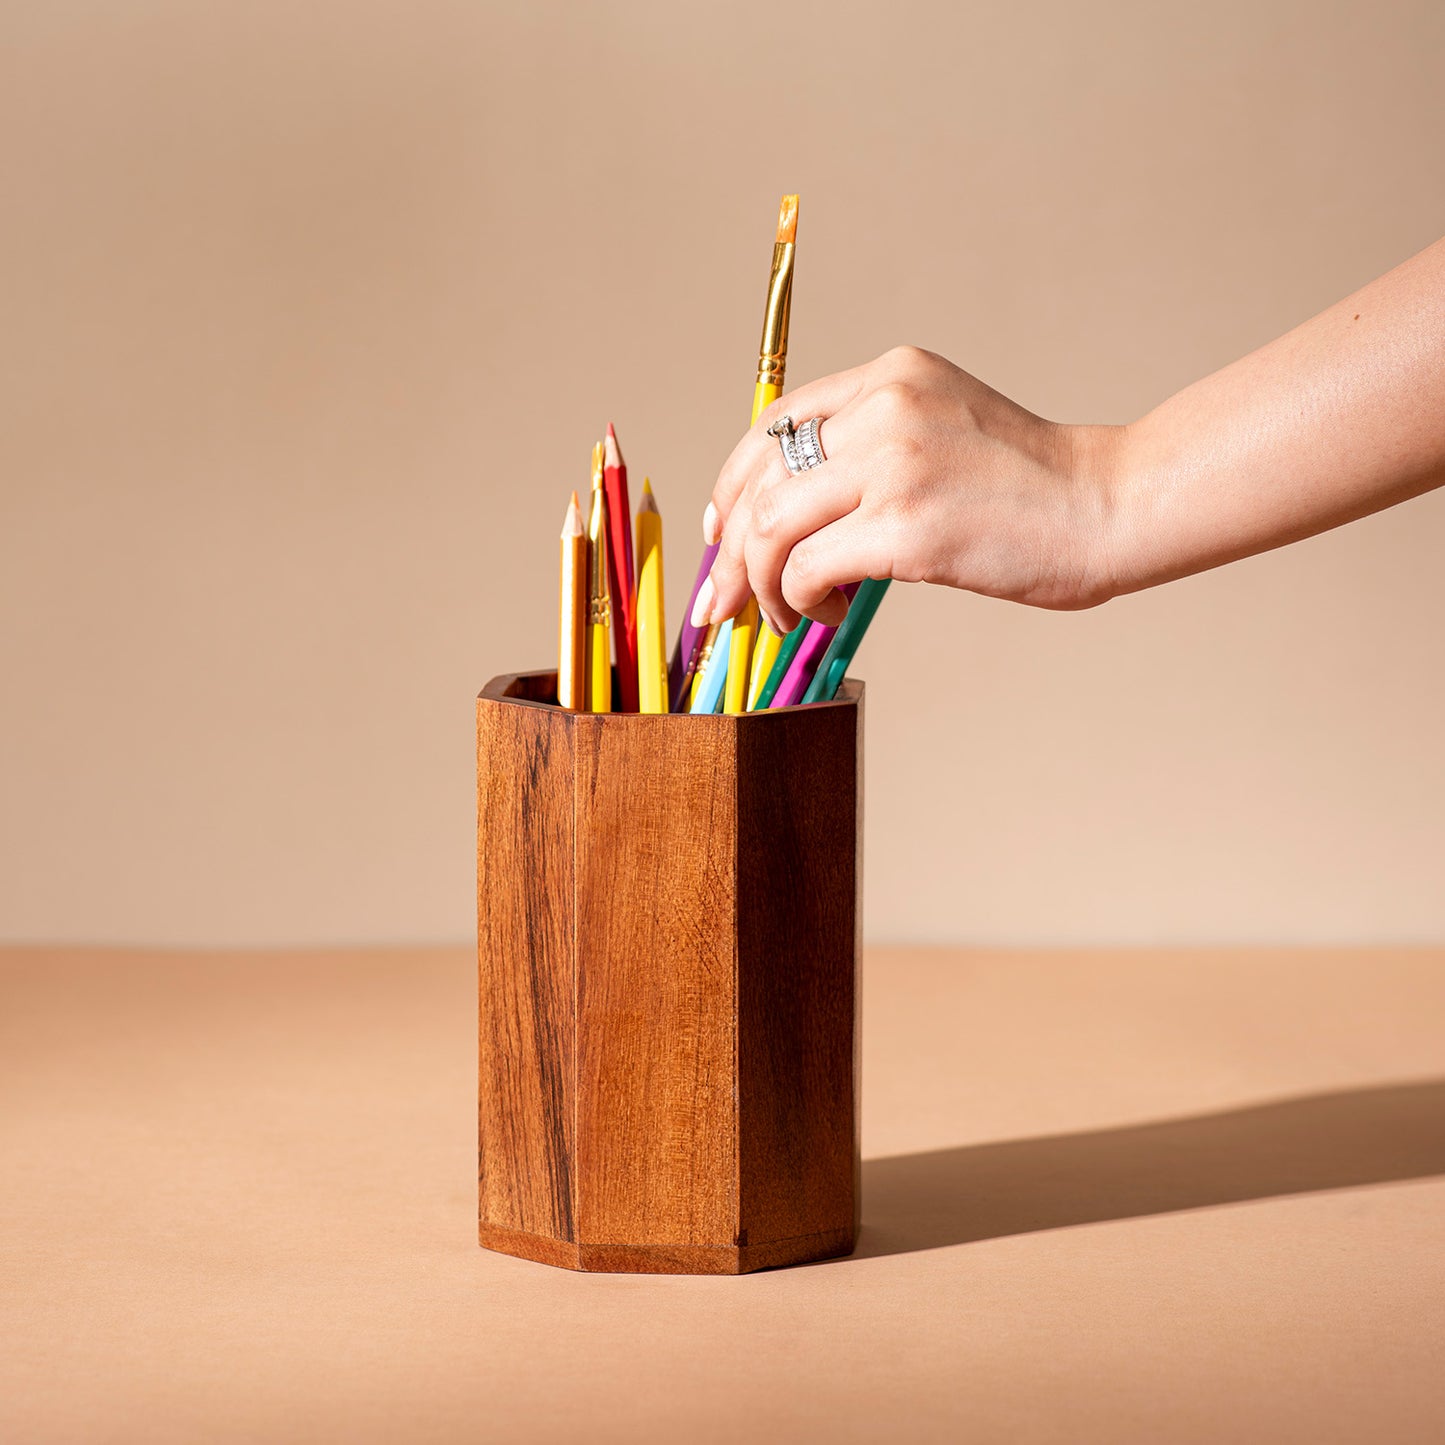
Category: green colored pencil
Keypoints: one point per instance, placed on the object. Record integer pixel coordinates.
(845, 641)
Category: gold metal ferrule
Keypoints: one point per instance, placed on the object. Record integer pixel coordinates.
(773, 350)
(704, 655)
(599, 596)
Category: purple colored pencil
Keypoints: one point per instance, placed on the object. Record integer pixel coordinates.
(689, 640)
(805, 660)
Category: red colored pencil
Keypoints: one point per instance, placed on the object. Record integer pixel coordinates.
(622, 577)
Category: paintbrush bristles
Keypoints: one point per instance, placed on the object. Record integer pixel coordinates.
(788, 220)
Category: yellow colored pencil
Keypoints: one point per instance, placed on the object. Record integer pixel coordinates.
(572, 612)
(772, 367)
(599, 602)
(651, 633)
(740, 658)
(765, 654)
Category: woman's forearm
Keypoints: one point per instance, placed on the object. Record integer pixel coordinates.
(1338, 418)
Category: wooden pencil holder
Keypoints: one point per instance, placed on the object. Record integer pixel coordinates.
(668, 943)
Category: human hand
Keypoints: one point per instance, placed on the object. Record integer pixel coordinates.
(931, 477)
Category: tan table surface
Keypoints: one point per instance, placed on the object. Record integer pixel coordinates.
(1163, 1197)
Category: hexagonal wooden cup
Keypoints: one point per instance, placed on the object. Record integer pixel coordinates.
(668, 944)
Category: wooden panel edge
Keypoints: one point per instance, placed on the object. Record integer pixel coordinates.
(537, 1247)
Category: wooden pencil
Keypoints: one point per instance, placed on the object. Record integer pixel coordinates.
(809, 656)
(599, 601)
(621, 579)
(572, 612)
(845, 641)
(651, 633)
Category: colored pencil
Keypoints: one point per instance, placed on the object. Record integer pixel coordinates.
(765, 654)
(621, 578)
(599, 603)
(572, 612)
(805, 664)
(845, 641)
(714, 674)
(781, 664)
(651, 634)
(690, 639)
(740, 657)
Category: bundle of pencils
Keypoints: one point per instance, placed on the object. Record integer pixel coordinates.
(611, 591)
(611, 596)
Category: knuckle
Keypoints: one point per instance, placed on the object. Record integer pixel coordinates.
(893, 401)
(725, 489)
(907, 358)
(802, 568)
(729, 552)
(767, 517)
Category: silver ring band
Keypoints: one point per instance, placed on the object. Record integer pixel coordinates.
(809, 448)
(801, 448)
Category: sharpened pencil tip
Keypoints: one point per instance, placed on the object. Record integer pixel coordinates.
(788, 219)
(614, 452)
(572, 523)
(647, 502)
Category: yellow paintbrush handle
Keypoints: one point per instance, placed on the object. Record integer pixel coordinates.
(747, 627)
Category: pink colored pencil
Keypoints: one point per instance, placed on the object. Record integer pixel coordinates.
(805, 660)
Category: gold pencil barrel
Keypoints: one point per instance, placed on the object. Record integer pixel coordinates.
(572, 612)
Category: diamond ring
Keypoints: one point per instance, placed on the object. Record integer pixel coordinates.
(801, 448)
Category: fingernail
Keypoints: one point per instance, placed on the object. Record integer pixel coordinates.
(702, 608)
(711, 528)
(770, 624)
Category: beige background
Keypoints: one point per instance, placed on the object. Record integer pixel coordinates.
(312, 312)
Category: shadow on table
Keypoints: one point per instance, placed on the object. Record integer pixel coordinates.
(1293, 1146)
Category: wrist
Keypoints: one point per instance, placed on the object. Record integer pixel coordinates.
(1101, 465)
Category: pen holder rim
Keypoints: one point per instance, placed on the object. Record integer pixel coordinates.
(538, 689)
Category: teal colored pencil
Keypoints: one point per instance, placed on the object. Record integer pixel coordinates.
(791, 643)
(845, 641)
(711, 689)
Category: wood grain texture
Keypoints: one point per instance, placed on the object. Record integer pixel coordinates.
(668, 947)
(656, 898)
(798, 867)
(525, 932)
